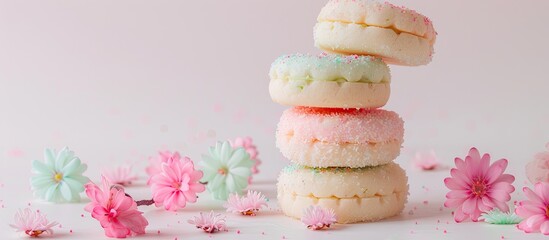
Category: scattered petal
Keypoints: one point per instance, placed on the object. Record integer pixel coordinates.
(426, 160)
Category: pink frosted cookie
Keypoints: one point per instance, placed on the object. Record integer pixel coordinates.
(330, 81)
(320, 137)
(397, 34)
(355, 194)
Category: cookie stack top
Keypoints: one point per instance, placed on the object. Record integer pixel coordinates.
(359, 37)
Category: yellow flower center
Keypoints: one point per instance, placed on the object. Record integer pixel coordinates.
(547, 210)
(222, 171)
(58, 177)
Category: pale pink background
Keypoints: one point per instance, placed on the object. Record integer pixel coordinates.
(118, 80)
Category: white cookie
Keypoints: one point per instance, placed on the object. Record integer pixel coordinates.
(396, 34)
(355, 194)
(329, 80)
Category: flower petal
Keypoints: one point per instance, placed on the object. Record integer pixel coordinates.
(532, 196)
(71, 167)
(544, 228)
(469, 206)
(225, 152)
(39, 167)
(495, 170)
(65, 191)
(216, 182)
(506, 178)
(457, 194)
(542, 190)
(459, 216)
(454, 202)
(453, 184)
(51, 193)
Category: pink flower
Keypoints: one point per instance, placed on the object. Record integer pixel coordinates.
(538, 169)
(248, 145)
(122, 175)
(246, 205)
(116, 211)
(316, 217)
(426, 161)
(210, 222)
(535, 210)
(156, 162)
(32, 223)
(176, 184)
(477, 187)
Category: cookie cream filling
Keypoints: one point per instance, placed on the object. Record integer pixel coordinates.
(355, 197)
(302, 69)
(364, 25)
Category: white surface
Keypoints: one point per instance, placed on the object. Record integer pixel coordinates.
(117, 81)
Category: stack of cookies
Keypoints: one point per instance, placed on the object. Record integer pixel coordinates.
(341, 144)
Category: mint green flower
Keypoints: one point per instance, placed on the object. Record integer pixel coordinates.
(496, 216)
(59, 178)
(226, 170)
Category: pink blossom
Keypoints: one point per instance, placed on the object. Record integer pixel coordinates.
(535, 210)
(116, 212)
(156, 162)
(538, 169)
(316, 217)
(248, 145)
(248, 205)
(32, 223)
(122, 175)
(176, 184)
(210, 222)
(477, 187)
(426, 161)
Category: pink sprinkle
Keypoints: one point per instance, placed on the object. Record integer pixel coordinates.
(437, 228)
(237, 231)
(70, 231)
(445, 231)
(262, 233)
(283, 237)
(60, 226)
(81, 215)
(438, 221)
(425, 202)
(502, 237)
(29, 204)
(416, 222)
(158, 232)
